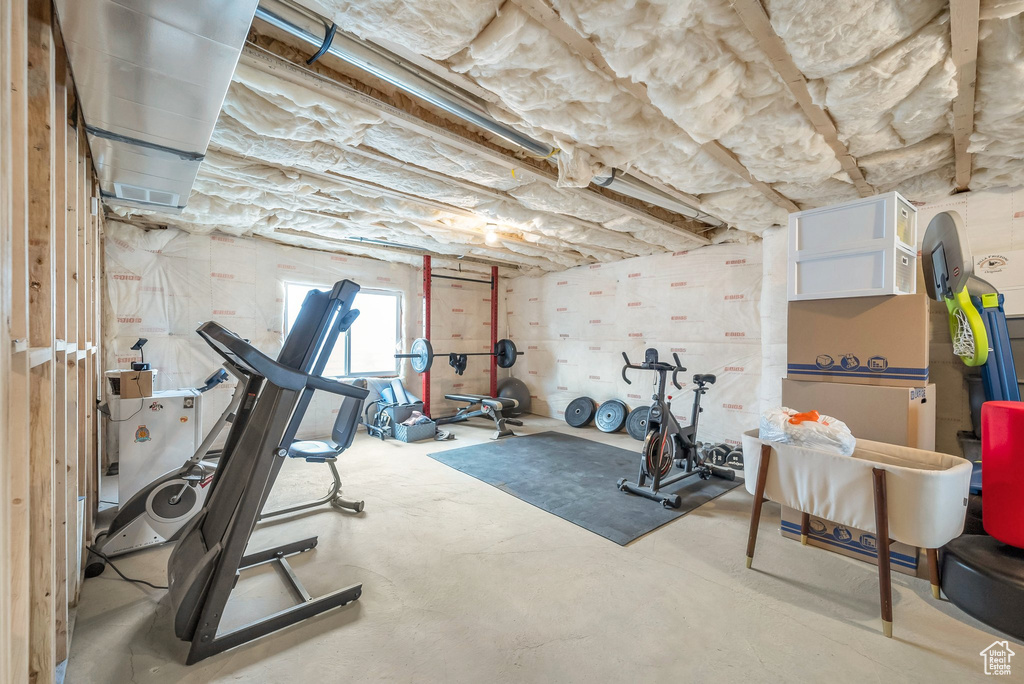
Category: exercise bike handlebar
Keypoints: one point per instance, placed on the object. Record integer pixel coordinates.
(657, 366)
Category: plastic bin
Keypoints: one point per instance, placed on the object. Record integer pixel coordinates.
(401, 412)
(863, 248)
(415, 433)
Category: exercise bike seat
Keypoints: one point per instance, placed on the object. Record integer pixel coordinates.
(707, 379)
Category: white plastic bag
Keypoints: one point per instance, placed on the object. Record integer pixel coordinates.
(809, 430)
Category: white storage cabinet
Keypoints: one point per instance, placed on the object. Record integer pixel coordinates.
(155, 435)
(862, 248)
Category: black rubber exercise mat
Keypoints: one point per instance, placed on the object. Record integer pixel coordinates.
(574, 478)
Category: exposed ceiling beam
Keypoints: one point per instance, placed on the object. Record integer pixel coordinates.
(754, 17)
(545, 15)
(349, 246)
(374, 188)
(271, 63)
(484, 191)
(963, 28)
(726, 158)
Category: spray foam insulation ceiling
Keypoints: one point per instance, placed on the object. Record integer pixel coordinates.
(674, 92)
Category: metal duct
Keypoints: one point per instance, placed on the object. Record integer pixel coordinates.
(151, 78)
(319, 33)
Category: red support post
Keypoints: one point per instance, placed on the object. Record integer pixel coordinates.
(426, 329)
(494, 330)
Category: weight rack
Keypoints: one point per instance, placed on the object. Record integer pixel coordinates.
(428, 276)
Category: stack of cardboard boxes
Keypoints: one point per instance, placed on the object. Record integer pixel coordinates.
(861, 359)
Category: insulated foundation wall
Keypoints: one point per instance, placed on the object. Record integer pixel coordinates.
(702, 305)
(163, 284)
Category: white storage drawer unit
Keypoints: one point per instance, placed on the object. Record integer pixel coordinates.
(863, 248)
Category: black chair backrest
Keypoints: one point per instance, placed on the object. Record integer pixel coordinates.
(346, 423)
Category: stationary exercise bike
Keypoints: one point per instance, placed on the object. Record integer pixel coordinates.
(667, 442)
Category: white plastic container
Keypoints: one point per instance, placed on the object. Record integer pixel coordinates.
(863, 248)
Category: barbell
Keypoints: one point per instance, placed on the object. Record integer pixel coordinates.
(422, 354)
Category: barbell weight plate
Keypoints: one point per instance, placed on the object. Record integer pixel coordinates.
(580, 412)
(505, 352)
(611, 415)
(636, 422)
(424, 355)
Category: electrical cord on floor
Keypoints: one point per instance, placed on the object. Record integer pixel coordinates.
(123, 576)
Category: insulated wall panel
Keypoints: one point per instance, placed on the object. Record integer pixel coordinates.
(162, 284)
(703, 305)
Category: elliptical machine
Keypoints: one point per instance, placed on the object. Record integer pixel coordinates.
(667, 442)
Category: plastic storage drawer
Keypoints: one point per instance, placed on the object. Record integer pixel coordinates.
(862, 248)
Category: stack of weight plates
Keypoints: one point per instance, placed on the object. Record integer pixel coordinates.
(609, 416)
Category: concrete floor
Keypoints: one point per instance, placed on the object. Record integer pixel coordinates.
(464, 583)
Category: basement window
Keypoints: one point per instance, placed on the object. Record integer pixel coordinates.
(368, 348)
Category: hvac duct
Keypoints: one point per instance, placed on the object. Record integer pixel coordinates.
(325, 37)
(152, 78)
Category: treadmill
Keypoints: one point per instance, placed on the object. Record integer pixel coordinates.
(205, 564)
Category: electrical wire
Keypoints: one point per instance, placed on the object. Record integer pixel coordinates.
(123, 576)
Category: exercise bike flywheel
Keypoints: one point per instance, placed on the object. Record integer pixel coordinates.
(656, 460)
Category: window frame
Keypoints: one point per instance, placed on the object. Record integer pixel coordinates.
(398, 296)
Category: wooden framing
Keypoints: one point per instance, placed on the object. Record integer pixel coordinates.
(14, 354)
(963, 27)
(541, 12)
(49, 336)
(754, 17)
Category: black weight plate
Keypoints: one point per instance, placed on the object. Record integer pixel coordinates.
(505, 351)
(422, 363)
(636, 422)
(580, 412)
(611, 415)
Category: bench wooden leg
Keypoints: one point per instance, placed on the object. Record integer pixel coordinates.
(882, 543)
(805, 527)
(933, 570)
(755, 509)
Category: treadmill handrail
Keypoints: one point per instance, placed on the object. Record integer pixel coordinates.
(242, 354)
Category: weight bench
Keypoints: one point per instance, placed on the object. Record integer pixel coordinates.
(481, 405)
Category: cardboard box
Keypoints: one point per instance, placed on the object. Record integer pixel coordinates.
(136, 384)
(848, 541)
(894, 415)
(861, 340)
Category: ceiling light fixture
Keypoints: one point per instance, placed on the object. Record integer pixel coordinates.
(491, 235)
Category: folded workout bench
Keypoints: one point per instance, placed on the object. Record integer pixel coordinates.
(481, 405)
